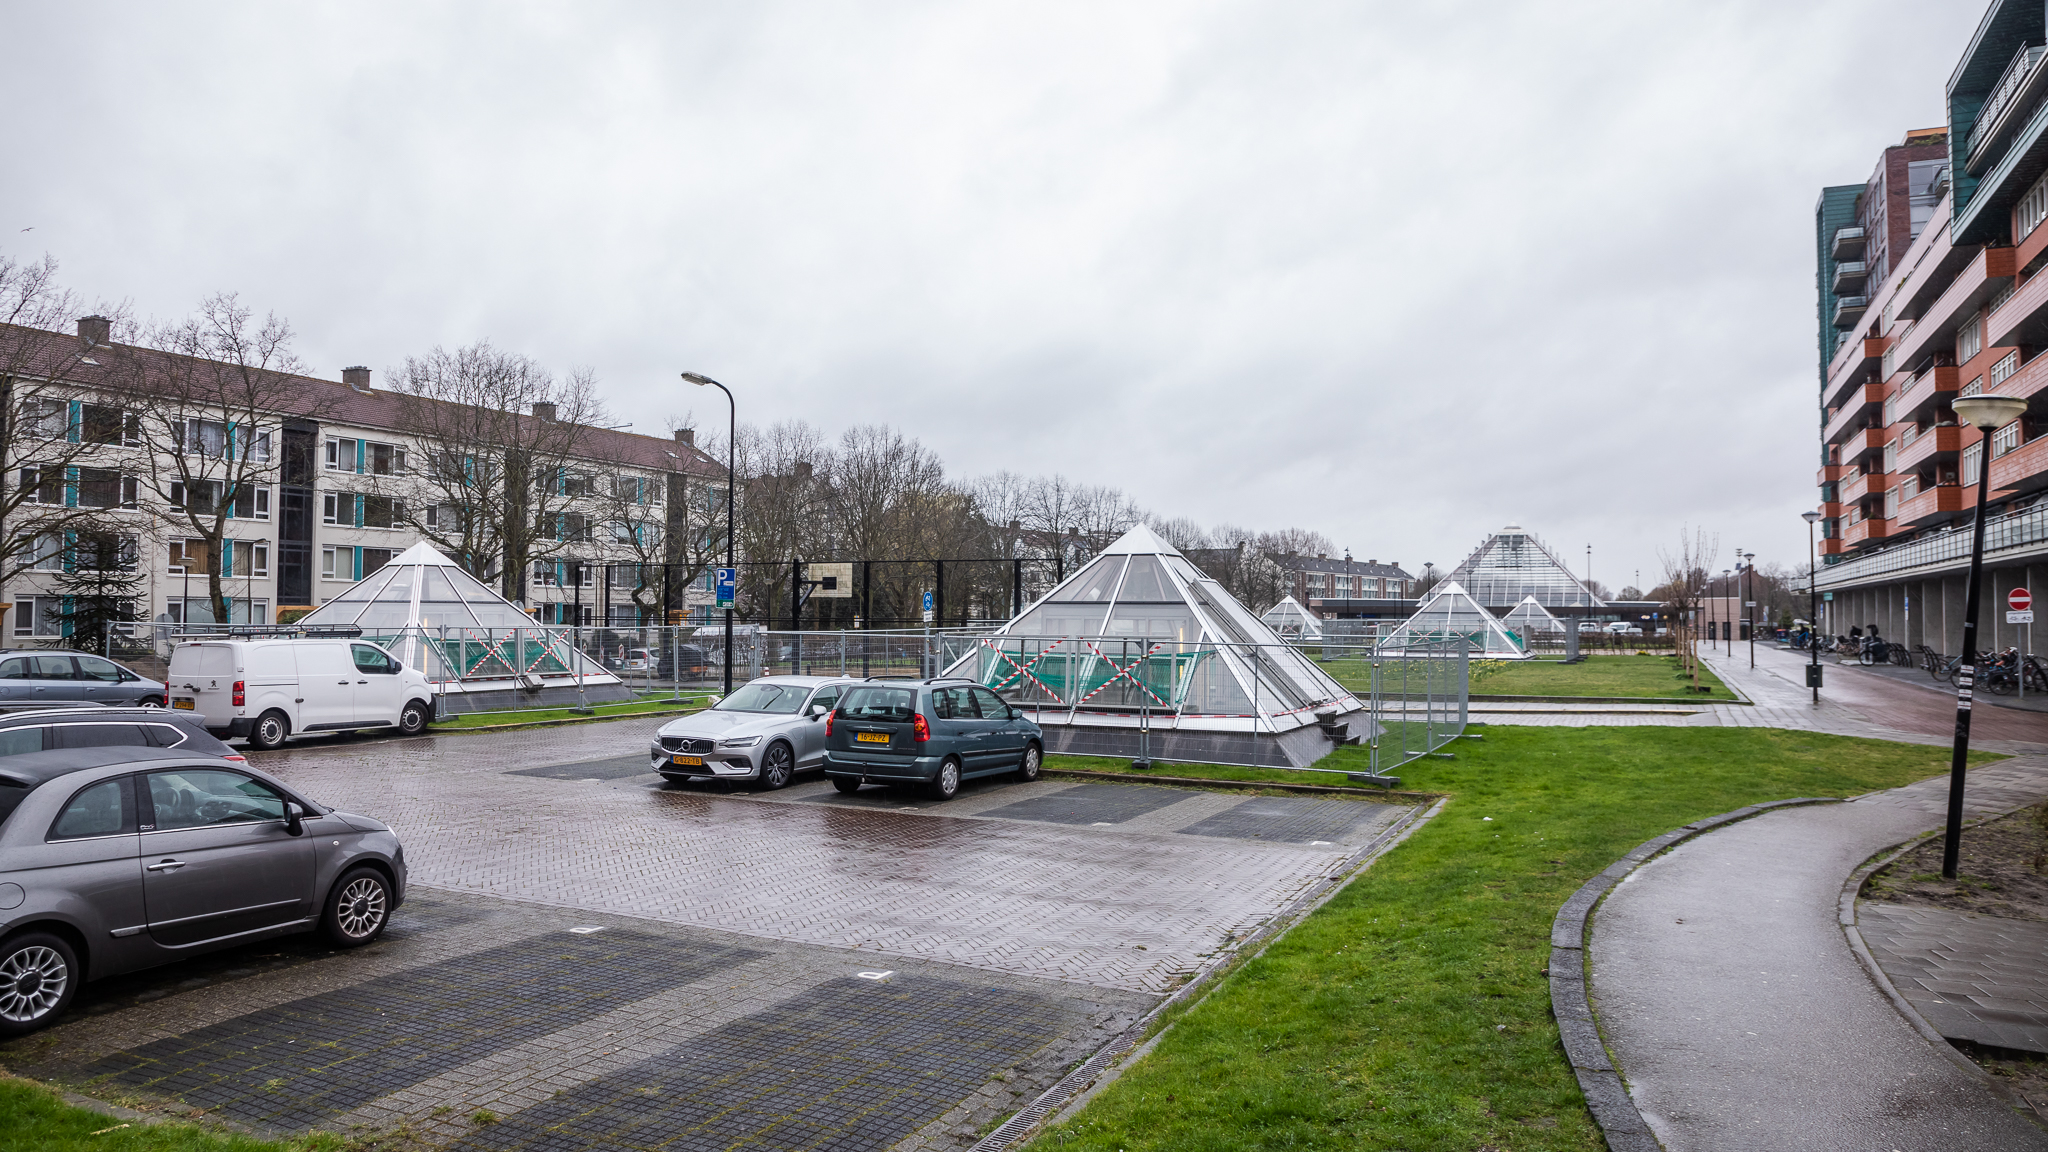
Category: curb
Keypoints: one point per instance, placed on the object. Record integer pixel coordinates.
(1109, 1061)
(1607, 1097)
(1489, 698)
(1375, 795)
(464, 731)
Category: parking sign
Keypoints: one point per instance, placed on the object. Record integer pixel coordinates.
(927, 607)
(724, 582)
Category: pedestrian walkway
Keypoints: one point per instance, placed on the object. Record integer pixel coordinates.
(1978, 978)
(1736, 1011)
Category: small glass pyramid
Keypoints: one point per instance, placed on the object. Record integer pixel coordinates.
(436, 617)
(1450, 613)
(1290, 621)
(1530, 619)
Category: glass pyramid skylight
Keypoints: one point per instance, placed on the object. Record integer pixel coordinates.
(1451, 613)
(1290, 621)
(1513, 564)
(1141, 627)
(1530, 618)
(440, 619)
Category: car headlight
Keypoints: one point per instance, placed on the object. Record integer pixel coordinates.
(740, 742)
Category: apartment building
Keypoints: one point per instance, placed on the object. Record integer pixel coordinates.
(1343, 588)
(329, 493)
(1930, 287)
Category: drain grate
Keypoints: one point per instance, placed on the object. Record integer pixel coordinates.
(852, 1064)
(1292, 819)
(296, 1065)
(1090, 804)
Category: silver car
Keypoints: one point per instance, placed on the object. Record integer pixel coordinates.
(41, 676)
(114, 859)
(767, 731)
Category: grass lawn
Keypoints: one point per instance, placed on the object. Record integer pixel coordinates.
(1409, 1012)
(485, 719)
(32, 1117)
(1597, 676)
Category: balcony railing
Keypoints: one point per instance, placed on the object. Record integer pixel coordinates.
(2001, 99)
(1848, 244)
(2026, 528)
(1933, 504)
(1848, 310)
(1927, 445)
(1849, 276)
(1864, 530)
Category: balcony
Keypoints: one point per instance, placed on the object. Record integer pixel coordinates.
(2016, 94)
(1861, 403)
(1868, 442)
(1848, 244)
(1832, 510)
(2022, 470)
(1987, 272)
(1865, 531)
(1849, 277)
(1935, 505)
(1851, 360)
(2022, 309)
(1828, 474)
(1929, 445)
(1868, 484)
(1849, 310)
(1833, 547)
(1935, 384)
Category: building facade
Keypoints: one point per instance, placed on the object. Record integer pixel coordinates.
(1347, 589)
(1929, 288)
(322, 495)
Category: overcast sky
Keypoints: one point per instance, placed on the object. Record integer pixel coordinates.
(1399, 272)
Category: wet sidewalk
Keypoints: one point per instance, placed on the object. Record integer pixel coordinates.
(1737, 1013)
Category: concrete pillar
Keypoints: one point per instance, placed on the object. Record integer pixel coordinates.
(1952, 612)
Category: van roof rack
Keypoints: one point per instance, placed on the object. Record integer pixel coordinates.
(293, 631)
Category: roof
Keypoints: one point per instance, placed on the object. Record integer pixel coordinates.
(54, 355)
(32, 768)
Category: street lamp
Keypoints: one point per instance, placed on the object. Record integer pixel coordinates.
(1987, 414)
(1724, 607)
(1812, 605)
(1749, 602)
(731, 529)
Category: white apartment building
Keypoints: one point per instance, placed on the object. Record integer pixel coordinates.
(334, 493)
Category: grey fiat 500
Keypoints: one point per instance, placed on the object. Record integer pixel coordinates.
(768, 731)
(114, 859)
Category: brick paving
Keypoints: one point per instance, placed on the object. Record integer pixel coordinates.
(1977, 978)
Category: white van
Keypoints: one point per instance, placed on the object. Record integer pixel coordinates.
(266, 688)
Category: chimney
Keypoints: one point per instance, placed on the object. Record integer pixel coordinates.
(686, 437)
(357, 377)
(1072, 530)
(1322, 555)
(94, 331)
(803, 469)
(544, 410)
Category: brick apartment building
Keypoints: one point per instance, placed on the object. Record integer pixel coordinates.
(1930, 286)
(1338, 589)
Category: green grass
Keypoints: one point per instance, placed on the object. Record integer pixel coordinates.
(33, 1117)
(1410, 1012)
(1597, 676)
(486, 719)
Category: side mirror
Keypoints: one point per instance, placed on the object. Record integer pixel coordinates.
(294, 819)
(818, 710)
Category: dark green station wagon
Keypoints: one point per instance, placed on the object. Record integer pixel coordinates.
(931, 733)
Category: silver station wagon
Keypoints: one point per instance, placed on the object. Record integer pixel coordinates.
(766, 731)
(114, 859)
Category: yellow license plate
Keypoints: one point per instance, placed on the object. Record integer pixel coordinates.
(185, 704)
(871, 737)
(689, 761)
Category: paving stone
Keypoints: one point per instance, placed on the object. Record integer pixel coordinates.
(1934, 949)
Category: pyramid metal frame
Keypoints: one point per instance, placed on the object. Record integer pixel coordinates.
(1139, 630)
(1450, 613)
(431, 614)
(1513, 563)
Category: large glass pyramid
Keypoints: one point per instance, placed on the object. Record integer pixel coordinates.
(1450, 613)
(1290, 621)
(436, 617)
(1141, 628)
(1513, 564)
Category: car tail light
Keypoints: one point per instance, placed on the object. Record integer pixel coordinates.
(828, 720)
(919, 729)
(240, 699)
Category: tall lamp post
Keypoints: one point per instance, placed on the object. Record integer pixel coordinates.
(732, 427)
(1987, 414)
(1749, 602)
(1726, 625)
(1812, 605)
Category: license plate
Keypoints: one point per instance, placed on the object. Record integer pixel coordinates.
(871, 737)
(181, 703)
(688, 761)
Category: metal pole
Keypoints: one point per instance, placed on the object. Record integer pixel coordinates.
(796, 617)
(1016, 587)
(939, 593)
(1813, 609)
(867, 610)
(1749, 606)
(1959, 760)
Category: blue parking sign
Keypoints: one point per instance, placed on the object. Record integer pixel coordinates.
(727, 578)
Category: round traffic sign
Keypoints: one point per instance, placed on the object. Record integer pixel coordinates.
(2019, 600)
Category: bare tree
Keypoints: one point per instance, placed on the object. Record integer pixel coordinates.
(670, 526)
(1686, 571)
(504, 483)
(216, 385)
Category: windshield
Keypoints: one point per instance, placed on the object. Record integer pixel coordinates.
(763, 697)
(893, 705)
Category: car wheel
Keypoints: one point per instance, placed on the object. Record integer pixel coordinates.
(412, 720)
(38, 977)
(776, 766)
(1027, 769)
(357, 908)
(271, 729)
(846, 784)
(150, 702)
(946, 784)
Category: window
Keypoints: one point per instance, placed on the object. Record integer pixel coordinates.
(330, 507)
(341, 455)
(42, 485)
(382, 512)
(244, 558)
(375, 558)
(39, 616)
(636, 489)
(107, 424)
(188, 557)
(544, 574)
(992, 706)
(200, 497)
(203, 797)
(1972, 388)
(206, 438)
(2006, 366)
(253, 445)
(104, 809)
(107, 553)
(105, 488)
(104, 671)
(252, 502)
(575, 484)
(2005, 439)
(373, 660)
(384, 460)
(327, 559)
(346, 454)
(573, 526)
(199, 610)
(2033, 209)
(47, 553)
(1973, 462)
(624, 533)
(45, 419)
